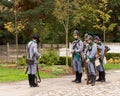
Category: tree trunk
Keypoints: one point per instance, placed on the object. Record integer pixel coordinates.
(104, 36)
(67, 29)
(17, 48)
(8, 52)
(16, 34)
(66, 46)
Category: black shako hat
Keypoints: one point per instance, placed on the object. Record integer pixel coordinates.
(76, 32)
(96, 37)
(86, 35)
(35, 36)
(90, 36)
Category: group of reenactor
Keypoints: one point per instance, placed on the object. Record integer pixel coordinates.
(89, 53)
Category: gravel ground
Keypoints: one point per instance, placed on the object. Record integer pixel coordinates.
(64, 87)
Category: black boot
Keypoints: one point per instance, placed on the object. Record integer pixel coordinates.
(33, 81)
(103, 76)
(30, 79)
(76, 76)
(79, 78)
(90, 79)
(93, 80)
(100, 77)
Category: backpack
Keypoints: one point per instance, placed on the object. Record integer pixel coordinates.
(107, 49)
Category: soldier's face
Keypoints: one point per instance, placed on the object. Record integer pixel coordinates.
(76, 36)
(89, 41)
(86, 39)
(96, 41)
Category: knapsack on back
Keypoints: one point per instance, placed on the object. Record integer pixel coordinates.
(107, 49)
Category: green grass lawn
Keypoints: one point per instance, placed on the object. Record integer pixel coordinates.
(112, 66)
(11, 75)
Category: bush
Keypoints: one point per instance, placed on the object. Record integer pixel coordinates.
(57, 70)
(112, 55)
(50, 58)
(113, 58)
(62, 60)
(22, 61)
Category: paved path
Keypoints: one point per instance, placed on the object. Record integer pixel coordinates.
(64, 87)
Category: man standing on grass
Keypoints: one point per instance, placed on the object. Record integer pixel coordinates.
(91, 51)
(32, 56)
(100, 67)
(77, 48)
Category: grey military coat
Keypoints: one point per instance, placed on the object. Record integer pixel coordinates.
(91, 52)
(32, 45)
(102, 54)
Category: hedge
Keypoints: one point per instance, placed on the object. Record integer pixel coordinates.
(62, 60)
(112, 55)
(52, 58)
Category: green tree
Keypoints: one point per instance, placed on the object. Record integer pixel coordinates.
(62, 12)
(84, 14)
(115, 17)
(103, 18)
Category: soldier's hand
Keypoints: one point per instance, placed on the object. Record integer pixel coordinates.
(102, 58)
(72, 51)
(84, 56)
(87, 61)
(97, 56)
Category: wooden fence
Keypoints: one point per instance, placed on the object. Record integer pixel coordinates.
(8, 52)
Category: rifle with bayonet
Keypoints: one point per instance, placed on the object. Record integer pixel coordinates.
(84, 57)
(74, 45)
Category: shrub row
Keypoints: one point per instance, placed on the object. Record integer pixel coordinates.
(62, 60)
(52, 58)
(113, 56)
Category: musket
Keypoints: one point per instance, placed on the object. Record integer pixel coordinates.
(86, 68)
(88, 75)
(38, 74)
(84, 55)
(72, 69)
(26, 70)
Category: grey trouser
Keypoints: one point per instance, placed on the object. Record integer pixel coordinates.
(32, 69)
(77, 64)
(100, 67)
(91, 68)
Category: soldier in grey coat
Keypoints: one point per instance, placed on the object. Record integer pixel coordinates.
(100, 68)
(31, 50)
(91, 51)
(77, 48)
